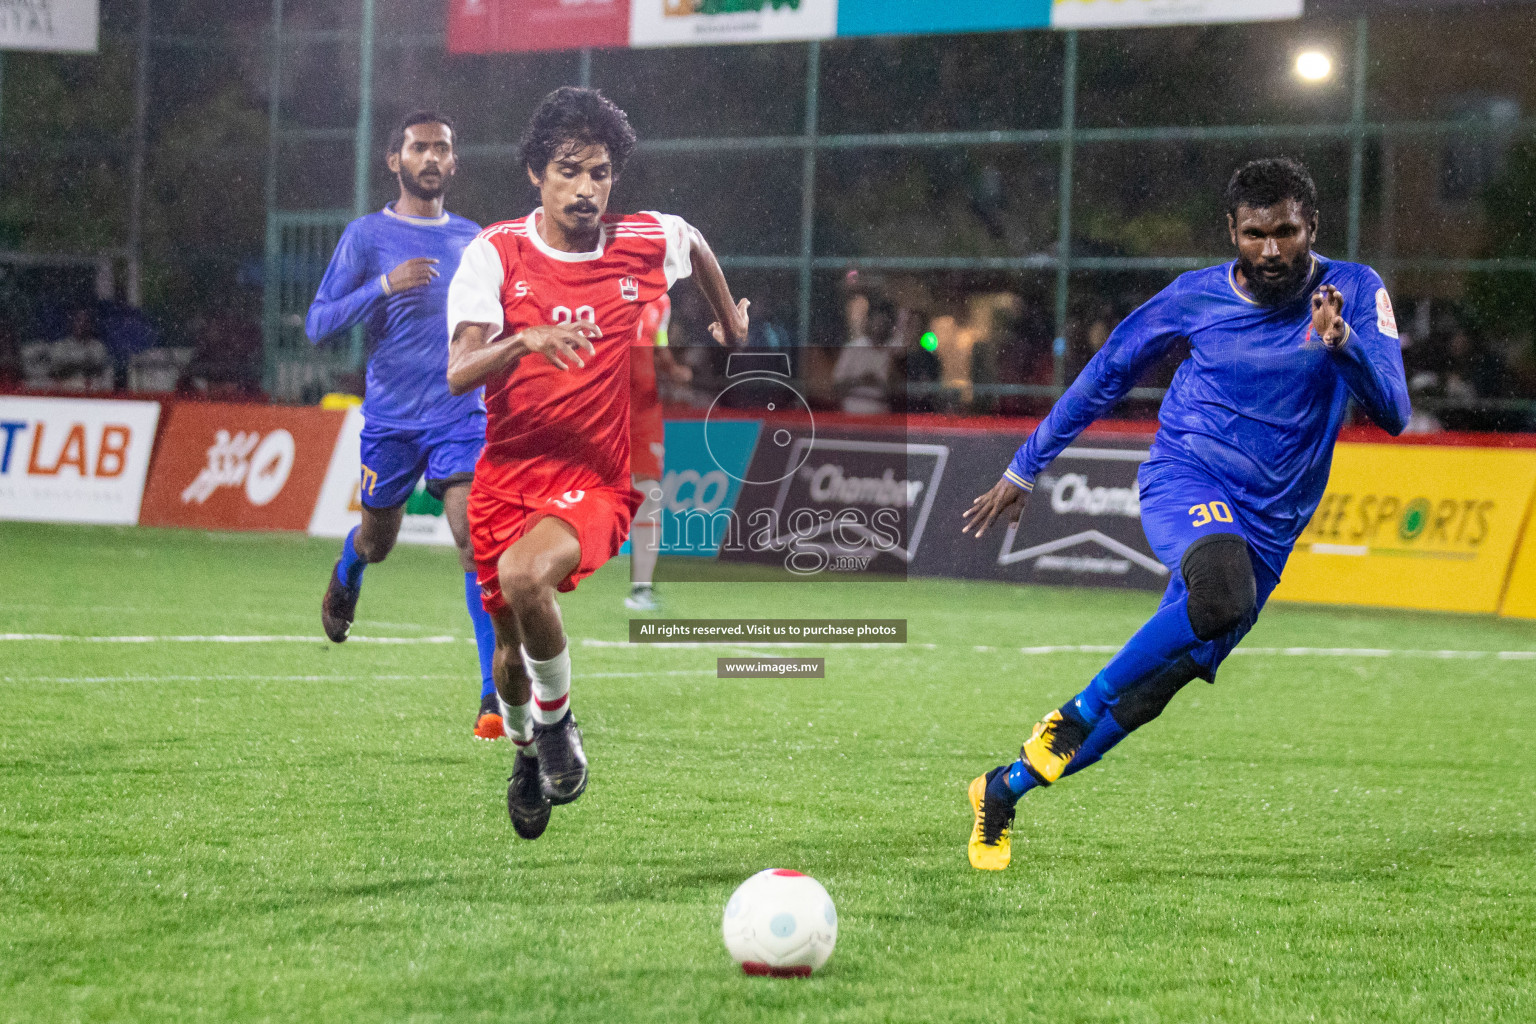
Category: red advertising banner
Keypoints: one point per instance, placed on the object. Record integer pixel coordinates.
(502, 26)
(239, 467)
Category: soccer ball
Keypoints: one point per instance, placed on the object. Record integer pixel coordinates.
(781, 923)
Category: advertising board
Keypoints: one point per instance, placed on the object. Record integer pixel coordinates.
(68, 460)
(1520, 591)
(239, 467)
(1410, 526)
(340, 508)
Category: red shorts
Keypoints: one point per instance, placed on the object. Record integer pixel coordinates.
(600, 517)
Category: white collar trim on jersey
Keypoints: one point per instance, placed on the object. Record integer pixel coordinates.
(1232, 280)
(421, 222)
(558, 254)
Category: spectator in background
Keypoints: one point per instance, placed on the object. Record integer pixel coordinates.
(79, 361)
(862, 374)
(126, 332)
(915, 370)
(226, 361)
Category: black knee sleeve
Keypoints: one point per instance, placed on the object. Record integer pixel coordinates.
(1219, 577)
(1145, 701)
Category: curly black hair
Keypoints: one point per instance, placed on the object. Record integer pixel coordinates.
(570, 118)
(411, 120)
(1262, 183)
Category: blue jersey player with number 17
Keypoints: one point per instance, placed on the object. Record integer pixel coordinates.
(390, 273)
(1281, 341)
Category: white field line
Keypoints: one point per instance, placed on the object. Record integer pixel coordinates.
(320, 679)
(760, 649)
(223, 639)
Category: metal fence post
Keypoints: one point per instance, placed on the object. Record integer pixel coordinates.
(1064, 209)
(808, 185)
(362, 151)
(1357, 141)
(136, 166)
(584, 68)
(272, 269)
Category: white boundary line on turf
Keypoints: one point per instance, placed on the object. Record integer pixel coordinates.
(755, 649)
(316, 679)
(64, 638)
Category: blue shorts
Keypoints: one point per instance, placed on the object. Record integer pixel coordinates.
(393, 460)
(1180, 505)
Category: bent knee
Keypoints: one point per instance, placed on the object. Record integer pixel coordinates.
(1223, 594)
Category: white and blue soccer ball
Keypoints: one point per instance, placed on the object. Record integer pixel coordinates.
(781, 923)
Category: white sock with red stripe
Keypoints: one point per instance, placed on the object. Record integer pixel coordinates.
(517, 723)
(551, 685)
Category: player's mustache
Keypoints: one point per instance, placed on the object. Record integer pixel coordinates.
(582, 207)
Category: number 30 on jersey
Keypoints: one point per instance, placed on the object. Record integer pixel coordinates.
(1208, 512)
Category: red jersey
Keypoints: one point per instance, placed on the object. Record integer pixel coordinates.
(549, 430)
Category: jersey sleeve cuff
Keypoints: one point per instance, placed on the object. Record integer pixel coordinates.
(1024, 485)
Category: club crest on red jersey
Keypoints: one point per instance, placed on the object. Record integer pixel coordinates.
(629, 289)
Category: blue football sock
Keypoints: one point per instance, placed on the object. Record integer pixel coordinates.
(1105, 735)
(351, 566)
(485, 633)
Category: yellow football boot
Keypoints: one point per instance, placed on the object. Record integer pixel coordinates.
(1052, 746)
(990, 848)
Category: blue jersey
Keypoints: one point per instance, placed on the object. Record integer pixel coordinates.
(407, 339)
(1259, 402)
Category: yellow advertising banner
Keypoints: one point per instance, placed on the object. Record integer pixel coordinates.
(1520, 595)
(1409, 526)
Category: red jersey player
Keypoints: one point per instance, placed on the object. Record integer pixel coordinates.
(543, 311)
(646, 440)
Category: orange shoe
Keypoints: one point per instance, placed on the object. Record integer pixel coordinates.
(489, 726)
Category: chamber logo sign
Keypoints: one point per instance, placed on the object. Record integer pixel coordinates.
(245, 458)
(849, 502)
(1099, 486)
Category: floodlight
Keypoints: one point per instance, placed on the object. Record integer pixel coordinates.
(1314, 66)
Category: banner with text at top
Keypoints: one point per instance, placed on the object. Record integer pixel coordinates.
(500, 26)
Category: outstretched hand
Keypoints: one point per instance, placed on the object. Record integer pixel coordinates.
(1328, 317)
(561, 342)
(736, 336)
(1004, 498)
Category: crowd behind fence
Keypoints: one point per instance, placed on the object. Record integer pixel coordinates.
(998, 201)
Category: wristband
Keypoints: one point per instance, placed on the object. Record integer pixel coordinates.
(384, 281)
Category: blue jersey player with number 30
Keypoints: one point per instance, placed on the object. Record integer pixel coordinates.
(390, 273)
(1281, 341)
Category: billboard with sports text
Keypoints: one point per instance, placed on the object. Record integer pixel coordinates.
(239, 467)
(1414, 526)
(499, 26)
(68, 460)
(1520, 592)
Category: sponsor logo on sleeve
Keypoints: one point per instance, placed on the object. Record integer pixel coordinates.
(1386, 321)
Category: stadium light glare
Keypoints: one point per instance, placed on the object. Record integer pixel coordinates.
(929, 341)
(1314, 66)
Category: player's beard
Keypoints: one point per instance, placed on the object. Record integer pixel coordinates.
(413, 185)
(1277, 291)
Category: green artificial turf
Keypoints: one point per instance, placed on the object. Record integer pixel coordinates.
(299, 831)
